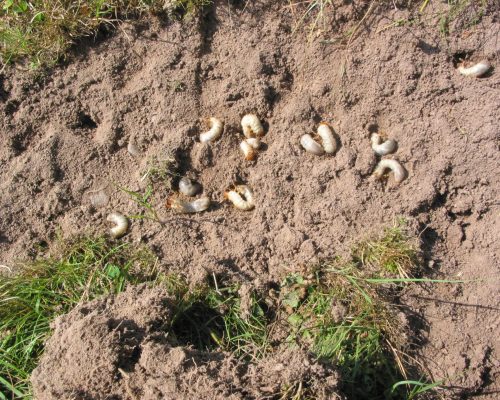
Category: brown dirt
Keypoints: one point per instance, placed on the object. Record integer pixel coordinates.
(117, 348)
(65, 139)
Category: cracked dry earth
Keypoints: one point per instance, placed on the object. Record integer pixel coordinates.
(64, 140)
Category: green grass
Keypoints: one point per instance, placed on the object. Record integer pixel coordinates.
(210, 318)
(205, 317)
(395, 253)
(82, 270)
(345, 312)
(144, 201)
(41, 31)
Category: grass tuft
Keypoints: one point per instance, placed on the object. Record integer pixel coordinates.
(41, 31)
(211, 318)
(395, 253)
(79, 271)
(345, 313)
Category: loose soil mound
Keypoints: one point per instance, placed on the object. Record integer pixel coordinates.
(65, 140)
(117, 347)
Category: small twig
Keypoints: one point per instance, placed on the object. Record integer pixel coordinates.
(216, 286)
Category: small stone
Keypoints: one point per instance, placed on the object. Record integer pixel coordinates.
(133, 149)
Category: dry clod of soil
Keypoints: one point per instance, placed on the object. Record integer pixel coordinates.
(117, 347)
(133, 149)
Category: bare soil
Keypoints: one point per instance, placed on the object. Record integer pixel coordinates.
(64, 140)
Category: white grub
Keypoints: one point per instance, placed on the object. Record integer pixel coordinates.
(248, 151)
(121, 223)
(476, 70)
(249, 148)
(381, 147)
(241, 197)
(252, 128)
(398, 170)
(189, 207)
(310, 145)
(100, 199)
(254, 142)
(188, 187)
(133, 149)
(216, 126)
(329, 142)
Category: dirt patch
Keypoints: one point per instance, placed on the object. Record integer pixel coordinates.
(65, 140)
(118, 347)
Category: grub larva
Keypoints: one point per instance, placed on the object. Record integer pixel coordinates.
(216, 126)
(328, 140)
(310, 145)
(121, 223)
(189, 207)
(241, 197)
(382, 148)
(254, 142)
(394, 165)
(252, 128)
(188, 187)
(249, 148)
(476, 70)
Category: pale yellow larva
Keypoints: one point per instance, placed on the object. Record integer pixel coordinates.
(476, 70)
(216, 127)
(241, 197)
(189, 207)
(310, 145)
(252, 128)
(254, 142)
(382, 148)
(121, 223)
(188, 187)
(249, 148)
(329, 143)
(399, 172)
